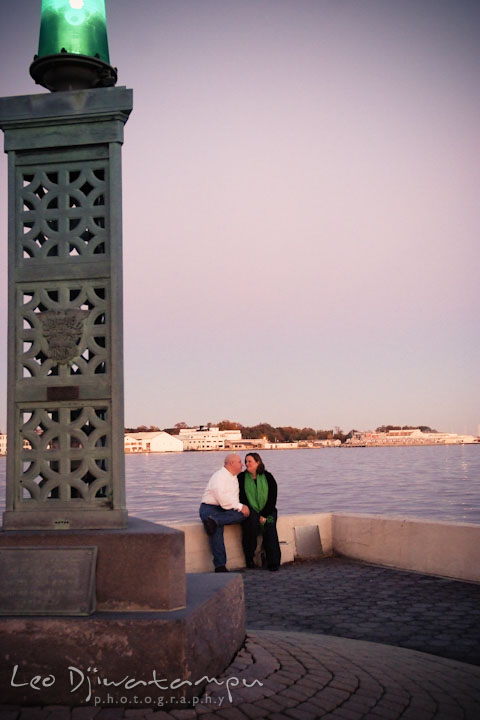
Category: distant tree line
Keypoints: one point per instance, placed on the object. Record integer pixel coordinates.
(284, 433)
(142, 428)
(423, 428)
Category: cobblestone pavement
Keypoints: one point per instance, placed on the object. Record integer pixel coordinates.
(349, 599)
(309, 676)
(283, 674)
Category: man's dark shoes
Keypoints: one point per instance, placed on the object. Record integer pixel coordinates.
(210, 525)
(273, 568)
(220, 568)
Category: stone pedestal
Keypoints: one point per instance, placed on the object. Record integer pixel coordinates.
(154, 626)
(135, 660)
(141, 568)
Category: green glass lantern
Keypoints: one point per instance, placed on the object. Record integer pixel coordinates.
(73, 46)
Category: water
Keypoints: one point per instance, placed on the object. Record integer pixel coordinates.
(440, 482)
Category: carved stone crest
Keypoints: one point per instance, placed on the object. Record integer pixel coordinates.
(63, 331)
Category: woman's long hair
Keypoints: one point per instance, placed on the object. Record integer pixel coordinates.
(258, 459)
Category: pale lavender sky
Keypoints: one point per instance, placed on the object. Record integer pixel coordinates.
(301, 208)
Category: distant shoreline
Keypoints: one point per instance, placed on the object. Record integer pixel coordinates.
(308, 447)
(349, 447)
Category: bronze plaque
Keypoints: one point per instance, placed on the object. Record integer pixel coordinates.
(47, 580)
(63, 392)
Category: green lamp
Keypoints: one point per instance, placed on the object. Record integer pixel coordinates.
(73, 46)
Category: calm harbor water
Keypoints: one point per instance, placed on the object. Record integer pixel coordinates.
(430, 482)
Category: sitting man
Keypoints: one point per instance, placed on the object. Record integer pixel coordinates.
(221, 506)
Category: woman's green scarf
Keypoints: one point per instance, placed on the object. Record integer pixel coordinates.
(257, 493)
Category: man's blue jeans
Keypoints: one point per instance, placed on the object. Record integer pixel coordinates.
(222, 517)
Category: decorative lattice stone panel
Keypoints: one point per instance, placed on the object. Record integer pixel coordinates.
(65, 466)
(62, 211)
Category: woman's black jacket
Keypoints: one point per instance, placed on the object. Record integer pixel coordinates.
(272, 493)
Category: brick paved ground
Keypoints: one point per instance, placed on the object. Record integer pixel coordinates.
(306, 675)
(342, 597)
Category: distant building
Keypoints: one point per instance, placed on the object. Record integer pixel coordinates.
(145, 442)
(3, 444)
(208, 438)
(245, 444)
(412, 436)
(327, 443)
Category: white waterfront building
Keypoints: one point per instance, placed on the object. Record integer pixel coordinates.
(208, 438)
(145, 442)
(410, 436)
(3, 444)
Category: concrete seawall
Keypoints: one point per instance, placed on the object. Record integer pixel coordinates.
(449, 549)
(432, 547)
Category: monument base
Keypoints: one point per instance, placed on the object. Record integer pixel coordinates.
(140, 568)
(132, 660)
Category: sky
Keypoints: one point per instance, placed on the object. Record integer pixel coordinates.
(301, 209)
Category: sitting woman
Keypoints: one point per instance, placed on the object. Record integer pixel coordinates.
(258, 490)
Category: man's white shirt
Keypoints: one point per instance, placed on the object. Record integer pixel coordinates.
(222, 489)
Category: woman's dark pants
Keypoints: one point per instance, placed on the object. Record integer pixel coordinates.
(251, 528)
